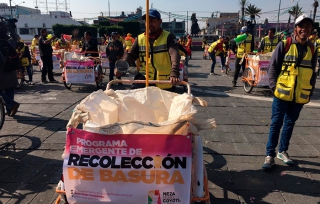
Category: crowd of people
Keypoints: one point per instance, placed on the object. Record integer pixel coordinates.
(292, 75)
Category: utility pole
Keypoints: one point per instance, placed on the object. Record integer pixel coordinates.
(10, 9)
(169, 22)
(278, 15)
(187, 23)
(109, 7)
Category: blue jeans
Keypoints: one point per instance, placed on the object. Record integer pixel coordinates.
(8, 97)
(111, 74)
(284, 113)
(213, 59)
(30, 73)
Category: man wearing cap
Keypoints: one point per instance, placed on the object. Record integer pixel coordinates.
(164, 55)
(292, 80)
(114, 52)
(128, 41)
(217, 48)
(246, 46)
(269, 43)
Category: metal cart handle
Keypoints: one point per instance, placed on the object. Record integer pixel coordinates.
(150, 81)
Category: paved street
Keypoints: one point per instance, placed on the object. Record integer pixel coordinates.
(32, 142)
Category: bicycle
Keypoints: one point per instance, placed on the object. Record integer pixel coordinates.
(2, 113)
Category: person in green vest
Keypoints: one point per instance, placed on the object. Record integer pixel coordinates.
(164, 58)
(292, 79)
(269, 42)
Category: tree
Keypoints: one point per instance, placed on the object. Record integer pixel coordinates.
(291, 13)
(139, 10)
(315, 7)
(243, 4)
(193, 17)
(296, 11)
(253, 11)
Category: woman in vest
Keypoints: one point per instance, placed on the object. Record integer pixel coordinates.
(25, 58)
(292, 80)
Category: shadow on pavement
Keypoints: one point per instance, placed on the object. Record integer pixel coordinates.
(252, 186)
(26, 174)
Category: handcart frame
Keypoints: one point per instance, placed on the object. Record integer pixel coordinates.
(199, 180)
(252, 73)
(97, 69)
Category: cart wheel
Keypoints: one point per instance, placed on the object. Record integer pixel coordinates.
(67, 85)
(246, 85)
(99, 83)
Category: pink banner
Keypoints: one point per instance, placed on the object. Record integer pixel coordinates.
(145, 169)
(79, 71)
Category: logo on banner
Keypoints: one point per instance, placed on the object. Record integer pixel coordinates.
(154, 197)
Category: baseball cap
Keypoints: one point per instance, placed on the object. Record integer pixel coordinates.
(221, 36)
(244, 29)
(114, 33)
(301, 18)
(152, 13)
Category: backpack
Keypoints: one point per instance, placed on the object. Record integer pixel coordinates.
(11, 57)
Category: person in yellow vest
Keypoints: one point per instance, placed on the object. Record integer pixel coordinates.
(314, 36)
(217, 48)
(34, 44)
(246, 46)
(164, 58)
(25, 58)
(62, 44)
(128, 41)
(292, 80)
(270, 42)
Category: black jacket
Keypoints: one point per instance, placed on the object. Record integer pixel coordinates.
(114, 51)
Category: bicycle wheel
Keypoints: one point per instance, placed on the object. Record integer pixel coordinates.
(2, 114)
(67, 85)
(248, 82)
(99, 82)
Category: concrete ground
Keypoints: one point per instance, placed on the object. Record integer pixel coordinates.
(31, 143)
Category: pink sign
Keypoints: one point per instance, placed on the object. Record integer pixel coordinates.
(146, 169)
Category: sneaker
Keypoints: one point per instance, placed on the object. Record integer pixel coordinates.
(211, 73)
(268, 163)
(234, 84)
(14, 109)
(53, 81)
(45, 81)
(30, 83)
(284, 156)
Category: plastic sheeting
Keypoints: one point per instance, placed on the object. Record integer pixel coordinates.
(141, 111)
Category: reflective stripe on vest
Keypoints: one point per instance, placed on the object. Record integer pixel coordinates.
(293, 83)
(159, 60)
(268, 46)
(244, 47)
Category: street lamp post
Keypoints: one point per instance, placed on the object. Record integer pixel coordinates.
(278, 16)
(10, 9)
